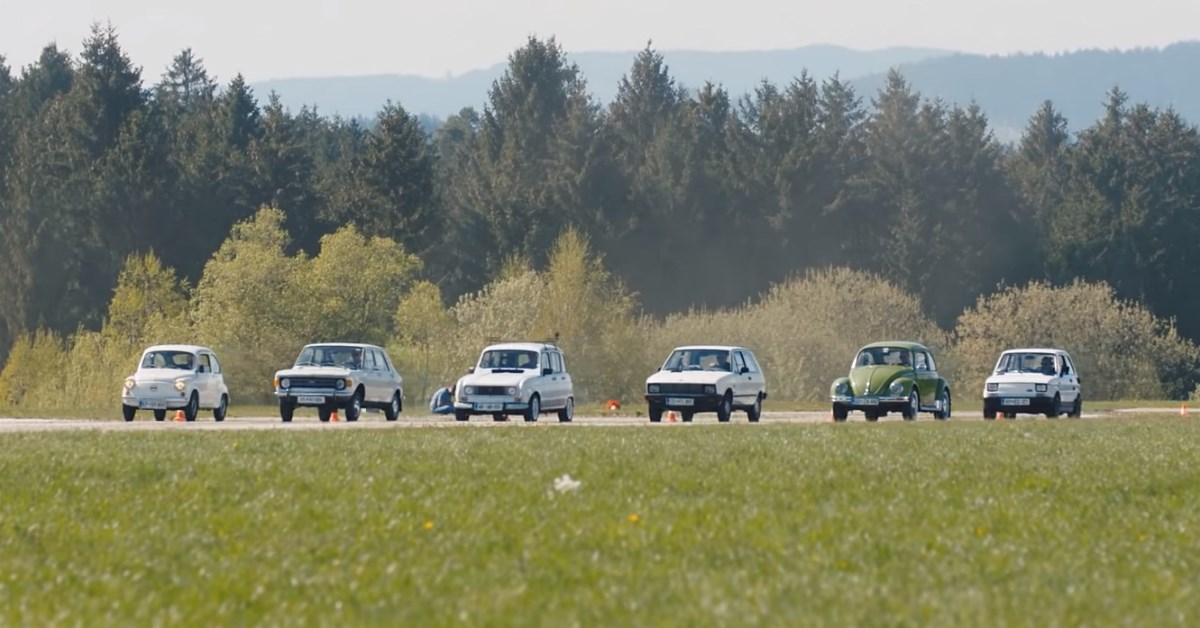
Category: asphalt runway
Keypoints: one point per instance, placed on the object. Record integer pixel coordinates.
(372, 420)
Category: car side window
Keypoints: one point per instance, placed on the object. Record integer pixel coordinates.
(381, 363)
(929, 359)
(739, 362)
(1067, 367)
(369, 360)
(205, 365)
(922, 361)
(750, 361)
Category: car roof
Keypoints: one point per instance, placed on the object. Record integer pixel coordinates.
(1034, 350)
(717, 347)
(522, 346)
(902, 344)
(188, 348)
(358, 345)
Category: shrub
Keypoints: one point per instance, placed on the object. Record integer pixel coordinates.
(31, 378)
(1120, 349)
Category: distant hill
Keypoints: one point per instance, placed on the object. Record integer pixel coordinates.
(1009, 88)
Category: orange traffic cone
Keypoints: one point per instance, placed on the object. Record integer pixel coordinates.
(333, 415)
(1183, 409)
(179, 418)
(670, 416)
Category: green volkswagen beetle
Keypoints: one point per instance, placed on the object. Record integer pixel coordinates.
(892, 377)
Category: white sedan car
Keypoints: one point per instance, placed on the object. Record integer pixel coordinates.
(710, 378)
(1033, 381)
(176, 377)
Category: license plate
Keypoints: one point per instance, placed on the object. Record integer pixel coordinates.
(311, 399)
(152, 405)
(1014, 402)
(680, 401)
(866, 401)
(489, 407)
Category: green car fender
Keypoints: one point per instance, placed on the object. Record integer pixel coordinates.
(840, 386)
(906, 386)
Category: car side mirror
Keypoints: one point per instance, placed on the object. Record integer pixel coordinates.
(745, 369)
(470, 370)
(201, 369)
(547, 371)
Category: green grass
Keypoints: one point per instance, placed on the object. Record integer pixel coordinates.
(1026, 522)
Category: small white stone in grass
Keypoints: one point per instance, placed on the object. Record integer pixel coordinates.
(565, 484)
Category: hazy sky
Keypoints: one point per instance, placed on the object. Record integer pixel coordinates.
(273, 39)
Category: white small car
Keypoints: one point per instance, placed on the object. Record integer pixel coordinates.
(346, 375)
(1033, 381)
(525, 378)
(176, 377)
(708, 378)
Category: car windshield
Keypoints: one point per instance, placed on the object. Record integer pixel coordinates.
(182, 360)
(331, 355)
(508, 359)
(698, 360)
(1031, 362)
(883, 356)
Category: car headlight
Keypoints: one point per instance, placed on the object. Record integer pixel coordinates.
(710, 390)
(470, 390)
(129, 384)
(993, 387)
(842, 388)
(653, 388)
(512, 391)
(285, 383)
(1040, 387)
(896, 388)
(340, 384)
(180, 384)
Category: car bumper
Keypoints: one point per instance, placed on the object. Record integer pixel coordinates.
(314, 398)
(869, 402)
(1018, 404)
(490, 407)
(144, 402)
(693, 403)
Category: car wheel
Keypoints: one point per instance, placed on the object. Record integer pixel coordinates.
(160, 415)
(392, 411)
(1076, 408)
(499, 416)
(286, 410)
(655, 413)
(221, 409)
(988, 413)
(324, 412)
(840, 412)
(568, 412)
(1010, 415)
(687, 416)
(534, 409)
(128, 412)
(943, 411)
(725, 410)
(754, 412)
(871, 415)
(1055, 407)
(193, 407)
(914, 405)
(354, 407)
(460, 415)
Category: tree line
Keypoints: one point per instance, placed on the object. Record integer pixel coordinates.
(696, 198)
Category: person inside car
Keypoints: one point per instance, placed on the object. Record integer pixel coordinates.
(1048, 366)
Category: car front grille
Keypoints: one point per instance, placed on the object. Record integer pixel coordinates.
(490, 390)
(313, 382)
(681, 389)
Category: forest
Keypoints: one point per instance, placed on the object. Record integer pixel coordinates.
(680, 203)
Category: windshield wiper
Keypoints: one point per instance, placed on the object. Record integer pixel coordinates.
(503, 370)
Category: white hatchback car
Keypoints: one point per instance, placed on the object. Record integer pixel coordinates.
(526, 378)
(176, 377)
(707, 378)
(350, 376)
(1033, 381)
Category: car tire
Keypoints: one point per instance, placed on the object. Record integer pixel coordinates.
(1010, 415)
(192, 408)
(160, 415)
(944, 406)
(499, 417)
(1076, 408)
(655, 413)
(754, 412)
(687, 416)
(534, 410)
(221, 410)
(1055, 407)
(460, 415)
(989, 414)
(872, 415)
(725, 408)
(391, 411)
(324, 412)
(287, 409)
(840, 412)
(568, 412)
(354, 406)
(914, 406)
(128, 412)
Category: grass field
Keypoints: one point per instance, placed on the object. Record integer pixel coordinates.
(1027, 522)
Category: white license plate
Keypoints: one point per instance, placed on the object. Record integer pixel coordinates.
(1014, 402)
(310, 399)
(152, 405)
(680, 401)
(866, 401)
(489, 407)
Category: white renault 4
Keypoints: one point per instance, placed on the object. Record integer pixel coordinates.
(525, 378)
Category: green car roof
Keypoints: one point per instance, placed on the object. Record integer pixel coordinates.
(903, 344)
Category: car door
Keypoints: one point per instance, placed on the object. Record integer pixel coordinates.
(927, 378)
(1069, 379)
(565, 387)
(372, 381)
(743, 383)
(204, 381)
